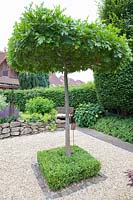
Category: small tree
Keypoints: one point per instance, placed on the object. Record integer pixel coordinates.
(48, 41)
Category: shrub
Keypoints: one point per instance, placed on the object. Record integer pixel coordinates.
(39, 105)
(37, 117)
(60, 170)
(117, 127)
(77, 95)
(86, 115)
(3, 103)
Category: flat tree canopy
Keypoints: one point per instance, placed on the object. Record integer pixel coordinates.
(46, 40)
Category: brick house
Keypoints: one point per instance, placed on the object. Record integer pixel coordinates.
(8, 76)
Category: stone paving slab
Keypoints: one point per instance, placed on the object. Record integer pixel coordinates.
(108, 138)
(18, 180)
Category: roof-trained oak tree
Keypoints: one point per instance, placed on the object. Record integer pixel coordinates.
(47, 40)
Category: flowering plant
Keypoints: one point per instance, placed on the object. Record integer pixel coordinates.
(5, 117)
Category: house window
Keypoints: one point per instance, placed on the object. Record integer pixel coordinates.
(5, 73)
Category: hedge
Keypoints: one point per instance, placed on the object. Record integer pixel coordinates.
(77, 95)
(115, 91)
(60, 170)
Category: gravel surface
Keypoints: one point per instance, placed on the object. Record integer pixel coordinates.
(18, 180)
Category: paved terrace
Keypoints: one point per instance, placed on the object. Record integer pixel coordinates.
(20, 178)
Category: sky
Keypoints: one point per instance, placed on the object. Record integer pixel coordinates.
(10, 11)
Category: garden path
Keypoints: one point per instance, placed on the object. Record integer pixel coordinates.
(20, 178)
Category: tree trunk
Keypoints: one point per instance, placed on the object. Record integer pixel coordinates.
(67, 127)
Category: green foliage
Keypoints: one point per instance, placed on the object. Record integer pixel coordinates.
(8, 119)
(32, 80)
(86, 115)
(77, 95)
(115, 91)
(39, 105)
(37, 117)
(60, 170)
(117, 127)
(3, 103)
(89, 84)
(46, 40)
(119, 13)
(42, 110)
(52, 126)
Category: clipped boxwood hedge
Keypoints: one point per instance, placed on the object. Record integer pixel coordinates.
(60, 170)
(77, 95)
(115, 91)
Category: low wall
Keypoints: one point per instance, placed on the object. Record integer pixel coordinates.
(19, 128)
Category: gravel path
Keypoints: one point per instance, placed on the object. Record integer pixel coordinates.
(18, 180)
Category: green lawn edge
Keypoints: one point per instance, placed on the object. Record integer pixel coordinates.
(60, 171)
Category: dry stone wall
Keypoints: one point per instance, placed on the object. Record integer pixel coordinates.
(18, 128)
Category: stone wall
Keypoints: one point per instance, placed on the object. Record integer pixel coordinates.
(19, 128)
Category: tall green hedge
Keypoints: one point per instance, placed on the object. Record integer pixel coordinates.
(79, 94)
(115, 91)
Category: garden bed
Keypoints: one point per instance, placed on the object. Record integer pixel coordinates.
(121, 128)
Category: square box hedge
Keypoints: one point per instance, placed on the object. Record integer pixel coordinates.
(60, 170)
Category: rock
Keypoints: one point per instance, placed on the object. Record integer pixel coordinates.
(34, 126)
(6, 130)
(26, 125)
(15, 124)
(42, 129)
(16, 129)
(26, 131)
(15, 133)
(21, 129)
(40, 124)
(20, 120)
(5, 125)
(2, 136)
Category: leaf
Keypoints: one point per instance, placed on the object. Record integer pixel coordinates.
(41, 40)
